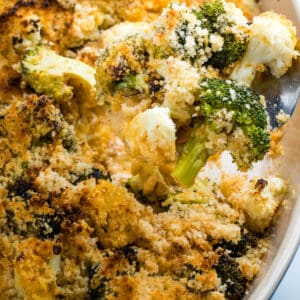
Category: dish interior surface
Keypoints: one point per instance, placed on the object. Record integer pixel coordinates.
(287, 234)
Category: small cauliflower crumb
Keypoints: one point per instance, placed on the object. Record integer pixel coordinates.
(282, 117)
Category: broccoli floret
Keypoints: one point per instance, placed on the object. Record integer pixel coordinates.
(45, 226)
(178, 32)
(56, 76)
(230, 117)
(113, 263)
(233, 49)
(130, 67)
(231, 276)
(215, 34)
(121, 69)
(225, 20)
(37, 122)
(42, 226)
(248, 240)
(21, 188)
(47, 124)
(209, 13)
(13, 226)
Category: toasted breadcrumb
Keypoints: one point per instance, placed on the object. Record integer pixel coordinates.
(71, 227)
(276, 137)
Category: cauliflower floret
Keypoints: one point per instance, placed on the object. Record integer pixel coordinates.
(87, 21)
(272, 42)
(258, 198)
(180, 86)
(151, 136)
(122, 31)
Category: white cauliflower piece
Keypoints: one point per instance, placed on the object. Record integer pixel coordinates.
(87, 20)
(122, 31)
(180, 86)
(271, 44)
(258, 198)
(151, 136)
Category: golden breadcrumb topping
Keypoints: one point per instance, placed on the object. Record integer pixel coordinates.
(87, 207)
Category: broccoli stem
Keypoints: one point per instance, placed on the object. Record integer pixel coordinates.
(192, 158)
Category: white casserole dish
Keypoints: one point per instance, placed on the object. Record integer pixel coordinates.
(287, 237)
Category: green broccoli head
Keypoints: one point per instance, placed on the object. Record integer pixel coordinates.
(233, 49)
(243, 103)
(177, 32)
(224, 102)
(111, 264)
(209, 13)
(121, 69)
(43, 226)
(230, 117)
(225, 20)
(56, 76)
(248, 241)
(231, 276)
